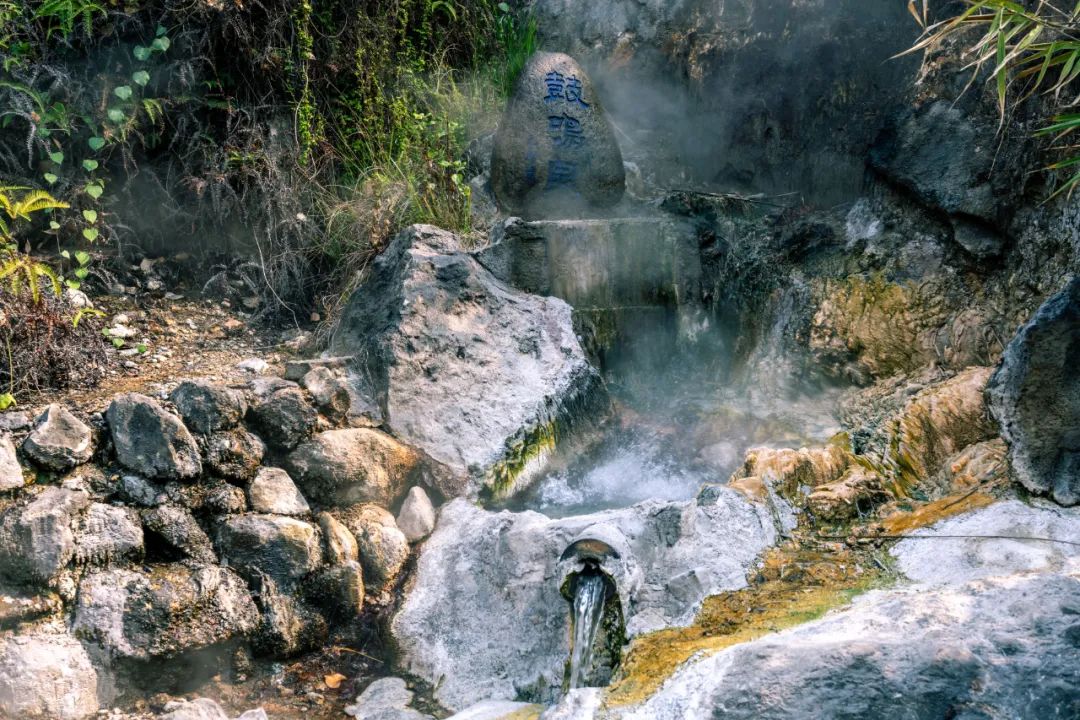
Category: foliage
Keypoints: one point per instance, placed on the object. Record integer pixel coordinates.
(516, 39)
(1027, 48)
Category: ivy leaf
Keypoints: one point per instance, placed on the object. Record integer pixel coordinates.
(50, 178)
(118, 342)
(82, 257)
(65, 254)
(94, 190)
(90, 215)
(116, 115)
(73, 284)
(82, 272)
(160, 44)
(141, 78)
(54, 225)
(90, 165)
(123, 92)
(160, 30)
(504, 7)
(91, 234)
(141, 53)
(56, 157)
(96, 143)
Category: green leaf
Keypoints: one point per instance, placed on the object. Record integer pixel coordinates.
(82, 257)
(7, 400)
(141, 53)
(90, 165)
(94, 190)
(160, 44)
(54, 225)
(56, 157)
(96, 143)
(160, 30)
(82, 272)
(504, 7)
(91, 234)
(50, 178)
(142, 348)
(73, 284)
(65, 254)
(116, 115)
(141, 78)
(118, 342)
(90, 215)
(123, 92)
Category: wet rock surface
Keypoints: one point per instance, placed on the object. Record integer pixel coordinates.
(468, 371)
(922, 653)
(1035, 396)
(673, 556)
(555, 151)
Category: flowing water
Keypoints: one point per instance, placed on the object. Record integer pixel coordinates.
(589, 595)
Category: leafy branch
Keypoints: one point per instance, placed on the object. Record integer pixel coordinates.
(1034, 49)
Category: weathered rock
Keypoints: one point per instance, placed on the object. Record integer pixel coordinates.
(273, 491)
(288, 625)
(212, 495)
(939, 422)
(285, 418)
(295, 370)
(11, 476)
(139, 491)
(1001, 647)
(385, 699)
(174, 532)
(197, 709)
(668, 558)
(1035, 396)
(339, 590)
(383, 547)
(283, 548)
(555, 151)
(344, 467)
(106, 534)
(857, 491)
(59, 440)
(17, 607)
(163, 613)
(329, 390)
(789, 470)
(481, 378)
(339, 545)
(47, 676)
(986, 543)
(236, 454)
(150, 441)
(207, 407)
(37, 539)
(417, 516)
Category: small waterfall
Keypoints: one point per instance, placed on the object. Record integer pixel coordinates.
(589, 598)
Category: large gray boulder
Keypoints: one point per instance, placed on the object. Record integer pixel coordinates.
(162, 613)
(150, 441)
(207, 407)
(47, 676)
(485, 617)
(1035, 396)
(354, 465)
(37, 537)
(283, 548)
(555, 150)
(285, 418)
(59, 440)
(481, 378)
(988, 649)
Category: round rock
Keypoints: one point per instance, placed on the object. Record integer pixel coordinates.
(59, 441)
(555, 151)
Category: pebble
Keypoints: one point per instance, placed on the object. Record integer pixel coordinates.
(130, 365)
(253, 365)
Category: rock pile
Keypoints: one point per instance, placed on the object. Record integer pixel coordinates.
(163, 539)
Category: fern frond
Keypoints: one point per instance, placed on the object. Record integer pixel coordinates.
(35, 201)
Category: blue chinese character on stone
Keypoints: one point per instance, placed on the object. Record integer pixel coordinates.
(561, 172)
(573, 92)
(556, 84)
(565, 131)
